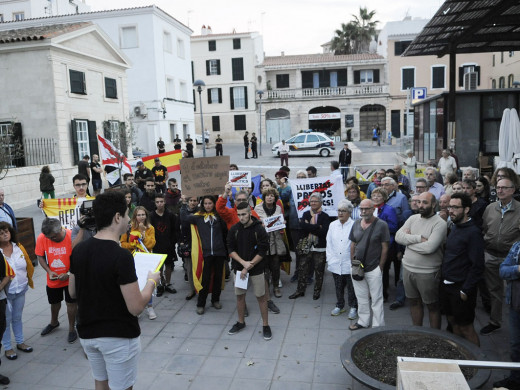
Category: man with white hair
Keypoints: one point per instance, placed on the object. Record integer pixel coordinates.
(435, 188)
(447, 163)
(396, 199)
(469, 174)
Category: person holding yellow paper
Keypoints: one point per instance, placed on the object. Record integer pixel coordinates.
(104, 282)
(140, 238)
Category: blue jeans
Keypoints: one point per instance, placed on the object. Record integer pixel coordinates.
(13, 317)
(514, 341)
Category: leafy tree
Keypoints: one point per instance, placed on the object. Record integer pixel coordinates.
(354, 37)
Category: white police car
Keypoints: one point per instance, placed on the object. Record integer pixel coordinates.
(315, 144)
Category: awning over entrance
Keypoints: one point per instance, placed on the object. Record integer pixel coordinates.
(474, 26)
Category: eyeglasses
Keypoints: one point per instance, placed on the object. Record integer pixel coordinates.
(79, 185)
(502, 188)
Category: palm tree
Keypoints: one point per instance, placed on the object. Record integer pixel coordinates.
(342, 43)
(365, 29)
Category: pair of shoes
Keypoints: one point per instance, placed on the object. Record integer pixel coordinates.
(337, 311)
(247, 158)
(310, 280)
(160, 290)
(297, 294)
(11, 354)
(316, 295)
(352, 313)
(246, 312)
(395, 305)
(24, 347)
(266, 330)
(169, 288)
(200, 310)
(72, 337)
(488, 329)
(277, 293)
(4, 380)
(191, 295)
(216, 305)
(356, 326)
(294, 278)
(151, 313)
(271, 306)
(49, 328)
(280, 285)
(236, 328)
(507, 383)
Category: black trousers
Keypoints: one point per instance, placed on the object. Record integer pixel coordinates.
(211, 279)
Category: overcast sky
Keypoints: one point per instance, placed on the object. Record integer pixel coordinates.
(292, 26)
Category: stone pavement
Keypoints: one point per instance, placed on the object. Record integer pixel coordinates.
(182, 350)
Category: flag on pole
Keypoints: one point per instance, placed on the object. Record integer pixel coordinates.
(110, 155)
(171, 160)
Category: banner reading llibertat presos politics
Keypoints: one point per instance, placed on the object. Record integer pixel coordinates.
(329, 187)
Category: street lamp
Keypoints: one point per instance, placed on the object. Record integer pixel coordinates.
(260, 94)
(200, 86)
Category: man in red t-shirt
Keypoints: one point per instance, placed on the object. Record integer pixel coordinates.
(53, 248)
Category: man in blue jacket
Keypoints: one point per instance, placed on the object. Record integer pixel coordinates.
(462, 269)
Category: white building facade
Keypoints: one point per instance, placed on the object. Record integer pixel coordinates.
(157, 45)
(16, 10)
(226, 63)
(345, 96)
(74, 84)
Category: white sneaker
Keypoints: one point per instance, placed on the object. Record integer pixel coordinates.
(337, 311)
(280, 285)
(151, 313)
(352, 314)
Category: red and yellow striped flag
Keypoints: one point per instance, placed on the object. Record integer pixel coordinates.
(171, 160)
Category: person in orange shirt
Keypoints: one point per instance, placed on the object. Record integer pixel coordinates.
(141, 238)
(53, 249)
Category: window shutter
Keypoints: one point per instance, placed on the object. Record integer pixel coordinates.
(110, 88)
(307, 79)
(477, 69)
(209, 95)
(231, 98)
(92, 138)
(325, 78)
(106, 130)
(218, 66)
(122, 138)
(376, 75)
(245, 96)
(342, 77)
(75, 149)
(220, 95)
(19, 160)
(357, 77)
(397, 48)
(207, 67)
(194, 101)
(461, 76)
(77, 82)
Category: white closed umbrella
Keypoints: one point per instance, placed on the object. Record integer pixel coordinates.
(513, 145)
(503, 137)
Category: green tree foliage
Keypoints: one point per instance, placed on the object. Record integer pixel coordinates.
(354, 37)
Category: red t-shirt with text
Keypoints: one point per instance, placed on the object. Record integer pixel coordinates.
(58, 256)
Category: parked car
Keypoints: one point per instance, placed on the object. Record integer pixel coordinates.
(137, 153)
(315, 144)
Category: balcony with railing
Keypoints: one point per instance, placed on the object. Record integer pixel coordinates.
(310, 93)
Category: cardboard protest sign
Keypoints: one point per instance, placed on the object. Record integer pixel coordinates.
(240, 178)
(330, 188)
(204, 175)
(276, 222)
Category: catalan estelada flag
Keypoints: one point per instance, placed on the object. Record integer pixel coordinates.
(64, 209)
(170, 160)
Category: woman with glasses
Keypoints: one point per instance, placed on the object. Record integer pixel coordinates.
(18, 259)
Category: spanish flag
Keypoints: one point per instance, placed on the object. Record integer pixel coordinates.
(170, 160)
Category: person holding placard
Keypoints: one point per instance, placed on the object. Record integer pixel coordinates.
(104, 281)
(248, 244)
(140, 237)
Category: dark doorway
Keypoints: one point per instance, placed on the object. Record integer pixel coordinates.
(326, 120)
(369, 116)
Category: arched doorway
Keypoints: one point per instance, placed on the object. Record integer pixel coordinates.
(277, 125)
(369, 116)
(325, 119)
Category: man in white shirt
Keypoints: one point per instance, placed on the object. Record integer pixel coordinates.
(284, 153)
(447, 163)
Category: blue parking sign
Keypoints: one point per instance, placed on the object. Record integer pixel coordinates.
(418, 93)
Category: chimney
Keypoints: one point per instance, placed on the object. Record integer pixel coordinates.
(203, 30)
(209, 30)
(283, 53)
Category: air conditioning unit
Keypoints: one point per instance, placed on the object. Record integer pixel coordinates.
(137, 111)
(470, 81)
(140, 111)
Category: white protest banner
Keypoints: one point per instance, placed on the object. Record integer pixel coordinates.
(276, 222)
(240, 178)
(330, 188)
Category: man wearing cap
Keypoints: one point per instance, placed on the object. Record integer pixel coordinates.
(141, 174)
(160, 175)
(345, 159)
